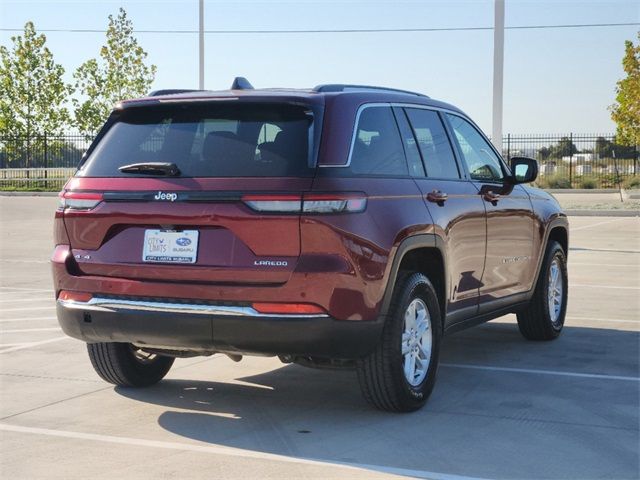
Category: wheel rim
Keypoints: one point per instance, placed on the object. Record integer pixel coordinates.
(416, 342)
(554, 290)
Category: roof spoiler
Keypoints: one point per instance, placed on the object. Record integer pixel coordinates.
(241, 83)
(171, 91)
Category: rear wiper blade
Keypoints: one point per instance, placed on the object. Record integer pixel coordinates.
(152, 168)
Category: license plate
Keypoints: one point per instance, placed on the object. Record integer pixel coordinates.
(170, 246)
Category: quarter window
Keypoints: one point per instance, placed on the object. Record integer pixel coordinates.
(434, 144)
(481, 160)
(377, 147)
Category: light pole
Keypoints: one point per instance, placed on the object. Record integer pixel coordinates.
(498, 73)
(201, 45)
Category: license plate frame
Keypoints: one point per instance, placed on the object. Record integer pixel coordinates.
(170, 246)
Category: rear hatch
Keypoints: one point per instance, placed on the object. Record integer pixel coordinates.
(194, 192)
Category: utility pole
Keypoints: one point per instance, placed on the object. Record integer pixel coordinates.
(498, 73)
(201, 45)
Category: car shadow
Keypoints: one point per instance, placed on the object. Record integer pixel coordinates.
(475, 423)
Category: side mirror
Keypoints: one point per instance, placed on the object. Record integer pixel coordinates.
(524, 170)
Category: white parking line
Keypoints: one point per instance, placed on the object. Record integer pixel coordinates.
(571, 230)
(611, 250)
(32, 344)
(541, 372)
(612, 320)
(28, 309)
(231, 452)
(24, 330)
(24, 289)
(22, 300)
(604, 264)
(16, 260)
(26, 319)
(615, 287)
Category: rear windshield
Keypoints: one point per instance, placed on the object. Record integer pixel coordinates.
(209, 140)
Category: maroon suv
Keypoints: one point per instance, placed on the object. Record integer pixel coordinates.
(340, 226)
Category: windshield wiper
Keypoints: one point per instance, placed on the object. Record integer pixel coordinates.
(152, 168)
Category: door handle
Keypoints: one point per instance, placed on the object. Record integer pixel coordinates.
(437, 197)
(492, 197)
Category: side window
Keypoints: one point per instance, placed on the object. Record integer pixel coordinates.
(416, 169)
(482, 162)
(433, 142)
(377, 149)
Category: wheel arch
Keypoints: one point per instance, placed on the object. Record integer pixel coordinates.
(423, 254)
(557, 230)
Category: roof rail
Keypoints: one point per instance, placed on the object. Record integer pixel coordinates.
(338, 87)
(171, 91)
(241, 83)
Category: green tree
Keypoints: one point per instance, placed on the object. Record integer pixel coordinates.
(33, 90)
(564, 148)
(626, 111)
(120, 73)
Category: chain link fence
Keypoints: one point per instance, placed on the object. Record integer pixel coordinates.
(45, 162)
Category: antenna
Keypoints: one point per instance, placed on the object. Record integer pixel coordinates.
(241, 83)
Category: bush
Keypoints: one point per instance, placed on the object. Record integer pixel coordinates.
(632, 182)
(555, 181)
(588, 183)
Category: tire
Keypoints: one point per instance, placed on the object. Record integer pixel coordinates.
(124, 365)
(381, 374)
(541, 320)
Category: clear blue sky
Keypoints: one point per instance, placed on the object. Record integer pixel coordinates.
(556, 81)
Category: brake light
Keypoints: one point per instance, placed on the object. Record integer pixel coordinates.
(310, 203)
(69, 296)
(288, 308)
(331, 203)
(78, 200)
(273, 203)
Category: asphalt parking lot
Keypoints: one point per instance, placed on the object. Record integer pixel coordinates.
(502, 407)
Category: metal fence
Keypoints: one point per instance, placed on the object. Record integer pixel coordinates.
(45, 162)
(577, 160)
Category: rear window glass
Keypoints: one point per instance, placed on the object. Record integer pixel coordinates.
(213, 140)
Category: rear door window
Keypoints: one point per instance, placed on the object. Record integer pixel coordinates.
(239, 140)
(434, 144)
(377, 146)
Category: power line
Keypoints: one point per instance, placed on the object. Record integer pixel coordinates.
(346, 30)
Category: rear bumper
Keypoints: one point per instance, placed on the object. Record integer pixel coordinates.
(210, 328)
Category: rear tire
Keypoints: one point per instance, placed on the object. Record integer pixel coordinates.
(543, 318)
(399, 375)
(125, 365)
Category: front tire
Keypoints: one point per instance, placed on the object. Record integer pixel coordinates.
(127, 366)
(543, 318)
(400, 373)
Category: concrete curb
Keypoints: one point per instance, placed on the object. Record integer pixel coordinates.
(582, 190)
(28, 194)
(602, 213)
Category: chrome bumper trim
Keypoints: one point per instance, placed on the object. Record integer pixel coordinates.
(99, 304)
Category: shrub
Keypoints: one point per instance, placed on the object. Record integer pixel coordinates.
(554, 181)
(588, 183)
(632, 182)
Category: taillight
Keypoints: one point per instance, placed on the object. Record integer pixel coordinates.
(78, 200)
(309, 203)
(69, 296)
(288, 308)
(273, 203)
(334, 203)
